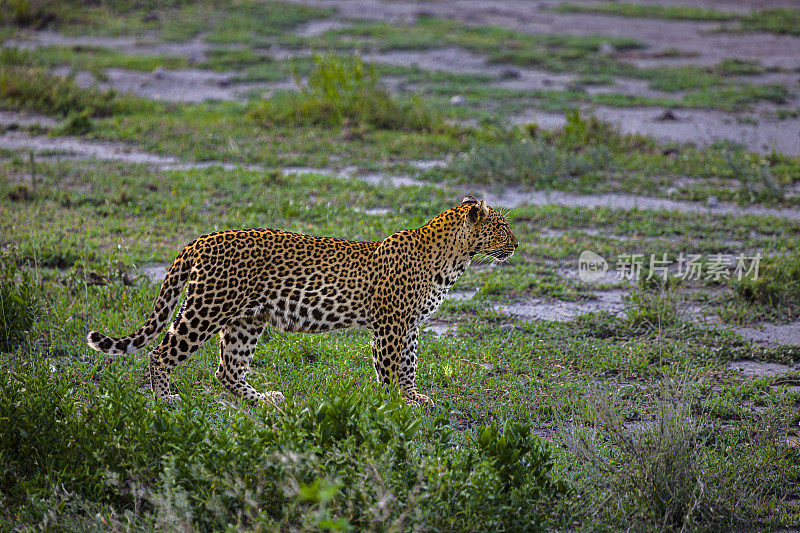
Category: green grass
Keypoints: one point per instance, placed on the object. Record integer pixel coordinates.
(92, 59)
(707, 86)
(779, 21)
(124, 459)
(214, 468)
(551, 52)
(34, 89)
(623, 9)
(773, 293)
(172, 20)
(382, 130)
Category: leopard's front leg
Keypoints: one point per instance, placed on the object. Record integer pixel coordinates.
(394, 355)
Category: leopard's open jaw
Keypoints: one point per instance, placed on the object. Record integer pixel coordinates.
(240, 281)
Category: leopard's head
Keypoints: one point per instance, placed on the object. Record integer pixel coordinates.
(488, 230)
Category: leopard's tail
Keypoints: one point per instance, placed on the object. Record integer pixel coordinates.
(165, 304)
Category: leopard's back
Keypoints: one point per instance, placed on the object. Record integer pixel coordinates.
(296, 282)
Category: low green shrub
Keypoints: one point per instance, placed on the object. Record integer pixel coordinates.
(345, 91)
(654, 309)
(355, 460)
(658, 477)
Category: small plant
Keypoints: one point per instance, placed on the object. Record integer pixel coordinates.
(341, 92)
(757, 184)
(653, 309)
(579, 134)
(657, 477)
(18, 304)
(777, 286)
(79, 123)
(522, 160)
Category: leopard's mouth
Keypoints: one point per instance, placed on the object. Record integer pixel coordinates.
(499, 254)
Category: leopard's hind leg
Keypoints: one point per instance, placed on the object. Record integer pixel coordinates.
(182, 339)
(237, 345)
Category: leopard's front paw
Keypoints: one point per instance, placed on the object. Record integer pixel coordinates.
(169, 398)
(274, 397)
(416, 399)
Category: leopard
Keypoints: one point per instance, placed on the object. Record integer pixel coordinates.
(240, 283)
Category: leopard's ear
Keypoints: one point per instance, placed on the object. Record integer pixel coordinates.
(477, 212)
(469, 200)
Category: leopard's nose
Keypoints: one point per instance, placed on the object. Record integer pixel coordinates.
(514, 241)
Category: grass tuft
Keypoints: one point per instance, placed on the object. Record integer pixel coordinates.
(777, 287)
(658, 477)
(581, 149)
(757, 184)
(19, 305)
(34, 89)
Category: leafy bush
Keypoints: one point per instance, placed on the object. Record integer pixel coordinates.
(358, 460)
(18, 304)
(342, 91)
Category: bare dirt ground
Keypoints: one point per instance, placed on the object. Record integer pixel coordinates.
(194, 50)
(701, 127)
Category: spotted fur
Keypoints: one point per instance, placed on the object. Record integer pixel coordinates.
(239, 281)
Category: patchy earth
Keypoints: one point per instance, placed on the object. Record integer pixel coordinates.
(194, 50)
(64, 147)
(696, 38)
(759, 132)
(761, 129)
(175, 85)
